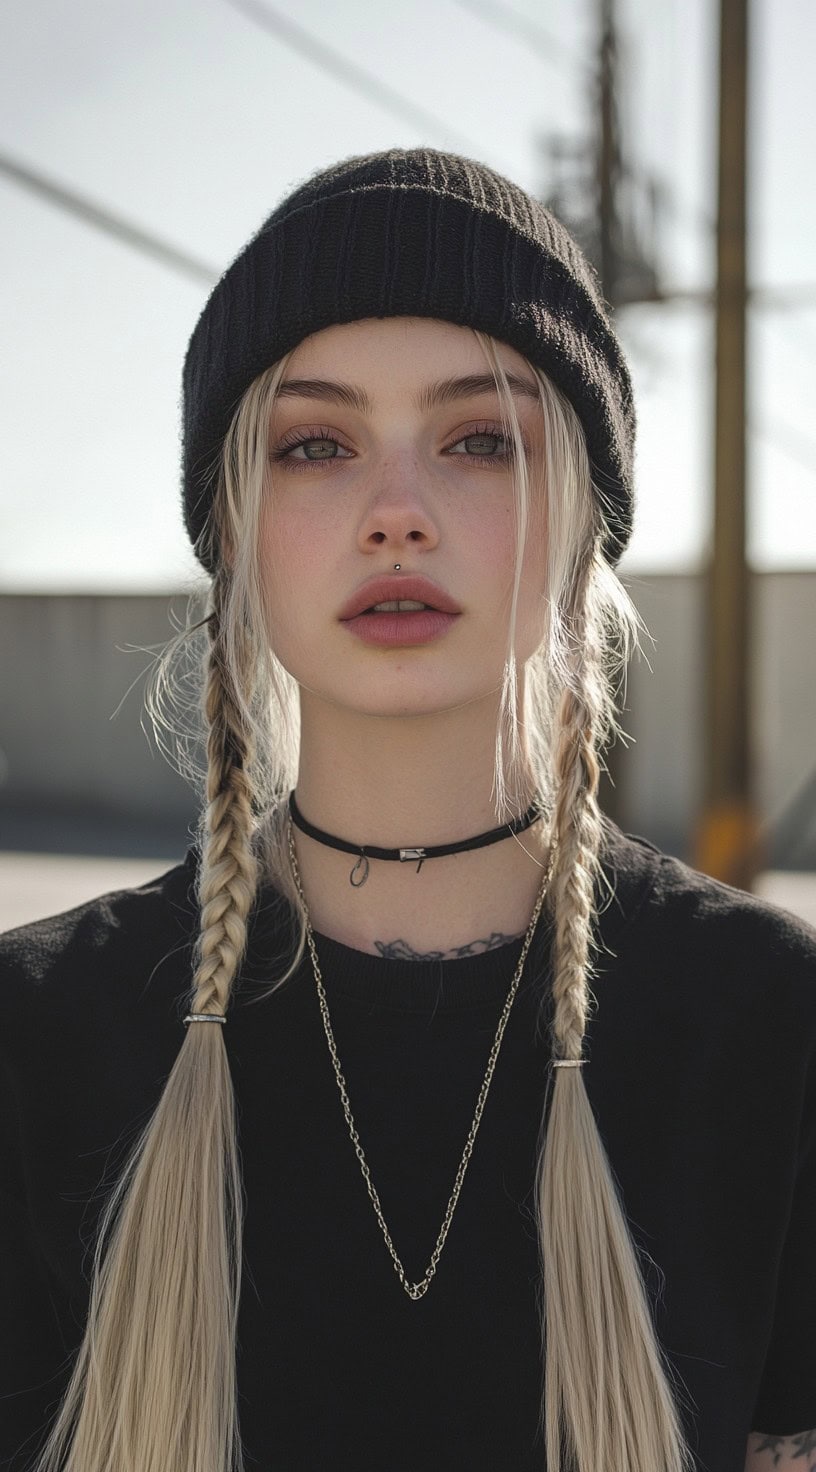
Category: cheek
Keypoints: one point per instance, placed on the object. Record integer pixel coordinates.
(282, 571)
(532, 593)
(290, 547)
(280, 529)
(298, 550)
(496, 552)
(303, 526)
(494, 539)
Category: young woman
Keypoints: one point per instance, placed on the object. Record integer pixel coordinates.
(420, 1118)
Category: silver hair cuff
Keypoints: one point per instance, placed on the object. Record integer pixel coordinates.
(203, 1017)
(569, 1062)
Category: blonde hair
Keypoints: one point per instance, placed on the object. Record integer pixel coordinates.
(154, 1383)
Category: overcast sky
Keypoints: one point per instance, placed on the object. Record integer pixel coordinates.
(189, 119)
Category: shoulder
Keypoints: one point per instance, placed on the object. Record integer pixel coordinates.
(665, 890)
(96, 950)
(686, 921)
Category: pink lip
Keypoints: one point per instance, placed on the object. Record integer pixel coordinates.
(418, 626)
(391, 589)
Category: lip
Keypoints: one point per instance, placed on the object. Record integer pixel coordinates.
(401, 630)
(388, 589)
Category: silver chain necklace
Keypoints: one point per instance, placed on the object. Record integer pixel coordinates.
(417, 1290)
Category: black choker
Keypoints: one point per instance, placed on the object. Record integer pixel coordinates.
(364, 852)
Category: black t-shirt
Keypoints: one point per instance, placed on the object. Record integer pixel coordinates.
(702, 1077)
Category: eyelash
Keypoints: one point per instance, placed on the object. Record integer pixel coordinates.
(290, 442)
(296, 438)
(486, 431)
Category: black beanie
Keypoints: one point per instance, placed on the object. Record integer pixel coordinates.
(422, 234)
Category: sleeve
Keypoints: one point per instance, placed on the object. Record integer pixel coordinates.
(35, 1361)
(786, 1403)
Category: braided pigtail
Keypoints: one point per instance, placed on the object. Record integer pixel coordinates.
(607, 1399)
(228, 865)
(154, 1385)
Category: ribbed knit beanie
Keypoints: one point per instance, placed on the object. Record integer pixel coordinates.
(411, 233)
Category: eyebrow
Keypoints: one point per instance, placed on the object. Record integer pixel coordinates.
(449, 389)
(445, 391)
(326, 388)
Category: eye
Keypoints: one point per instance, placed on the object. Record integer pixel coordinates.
(309, 447)
(483, 444)
(317, 450)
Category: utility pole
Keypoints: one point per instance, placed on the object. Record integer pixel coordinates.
(610, 207)
(611, 792)
(727, 833)
(605, 204)
(608, 155)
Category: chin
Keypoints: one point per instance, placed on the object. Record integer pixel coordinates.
(405, 699)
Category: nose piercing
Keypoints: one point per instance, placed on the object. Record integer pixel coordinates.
(397, 566)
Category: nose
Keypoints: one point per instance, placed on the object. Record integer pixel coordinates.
(398, 514)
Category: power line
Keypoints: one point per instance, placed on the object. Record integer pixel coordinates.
(799, 296)
(797, 446)
(505, 18)
(341, 69)
(793, 336)
(106, 221)
(773, 298)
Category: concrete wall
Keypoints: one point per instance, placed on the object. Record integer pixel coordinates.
(662, 775)
(76, 775)
(75, 779)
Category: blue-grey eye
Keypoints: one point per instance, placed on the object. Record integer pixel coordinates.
(320, 449)
(484, 444)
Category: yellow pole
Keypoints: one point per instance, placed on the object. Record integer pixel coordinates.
(726, 838)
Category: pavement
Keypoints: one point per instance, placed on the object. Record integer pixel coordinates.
(34, 885)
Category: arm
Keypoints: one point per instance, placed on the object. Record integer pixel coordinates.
(781, 1453)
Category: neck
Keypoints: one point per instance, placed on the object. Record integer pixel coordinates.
(421, 781)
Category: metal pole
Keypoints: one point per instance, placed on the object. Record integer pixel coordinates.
(607, 154)
(726, 841)
(612, 787)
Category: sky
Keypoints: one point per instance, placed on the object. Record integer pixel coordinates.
(190, 119)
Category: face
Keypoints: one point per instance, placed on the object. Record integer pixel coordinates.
(386, 446)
